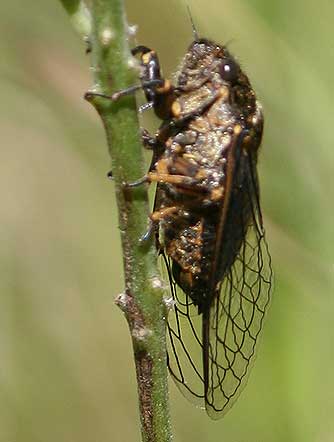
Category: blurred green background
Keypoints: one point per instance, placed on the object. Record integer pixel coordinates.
(66, 370)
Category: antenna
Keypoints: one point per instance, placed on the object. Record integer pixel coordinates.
(195, 34)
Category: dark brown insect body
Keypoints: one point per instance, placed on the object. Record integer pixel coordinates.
(208, 213)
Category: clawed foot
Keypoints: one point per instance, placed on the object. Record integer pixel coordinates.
(136, 183)
(149, 141)
(148, 234)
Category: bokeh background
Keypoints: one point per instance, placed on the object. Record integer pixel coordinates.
(66, 370)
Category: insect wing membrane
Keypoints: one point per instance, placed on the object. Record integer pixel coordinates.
(184, 341)
(237, 312)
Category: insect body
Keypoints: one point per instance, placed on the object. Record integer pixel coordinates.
(208, 216)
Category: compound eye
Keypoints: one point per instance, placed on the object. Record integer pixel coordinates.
(229, 70)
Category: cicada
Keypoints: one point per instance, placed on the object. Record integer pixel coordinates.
(207, 218)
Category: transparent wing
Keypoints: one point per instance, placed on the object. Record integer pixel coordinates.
(234, 324)
(184, 342)
(236, 320)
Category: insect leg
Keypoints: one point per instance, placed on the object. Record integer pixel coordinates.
(139, 182)
(149, 141)
(152, 143)
(172, 179)
(194, 85)
(158, 91)
(127, 91)
(144, 107)
(164, 212)
(156, 217)
(149, 232)
(179, 180)
(178, 122)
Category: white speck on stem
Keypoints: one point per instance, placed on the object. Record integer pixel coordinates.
(132, 63)
(169, 302)
(141, 333)
(106, 36)
(94, 89)
(132, 30)
(94, 69)
(157, 283)
(122, 300)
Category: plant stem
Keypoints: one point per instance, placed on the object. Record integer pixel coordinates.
(142, 302)
(79, 15)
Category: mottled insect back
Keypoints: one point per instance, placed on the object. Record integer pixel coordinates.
(208, 219)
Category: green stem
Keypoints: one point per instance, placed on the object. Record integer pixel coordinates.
(143, 300)
(79, 15)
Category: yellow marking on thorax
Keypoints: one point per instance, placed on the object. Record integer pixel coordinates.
(224, 93)
(166, 87)
(168, 178)
(147, 57)
(189, 156)
(237, 129)
(163, 213)
(177, 148)
(162, 166)
(217, 194)
(176, 109)
(201, 174)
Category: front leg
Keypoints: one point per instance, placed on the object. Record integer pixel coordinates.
(159, 215)
(149, 141)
